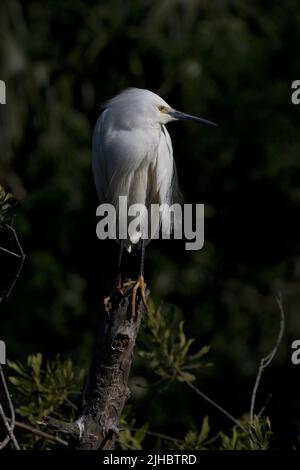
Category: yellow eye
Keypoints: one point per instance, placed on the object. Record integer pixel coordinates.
(162, 109)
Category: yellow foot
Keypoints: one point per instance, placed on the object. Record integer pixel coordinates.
(140, 285)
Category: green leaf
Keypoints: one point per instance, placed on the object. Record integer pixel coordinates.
(166, 346)
(204, 430)
(186, 377)
(202, 352)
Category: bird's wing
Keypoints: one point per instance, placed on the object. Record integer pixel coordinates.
(166, 181)
(165, 168)
(98, 159)
(121, 159)
(136, 163)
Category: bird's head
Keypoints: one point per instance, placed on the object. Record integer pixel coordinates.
(136, 107)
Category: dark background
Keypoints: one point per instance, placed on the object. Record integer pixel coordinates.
(230, 61)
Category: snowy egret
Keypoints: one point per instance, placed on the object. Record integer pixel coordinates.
(133, 157)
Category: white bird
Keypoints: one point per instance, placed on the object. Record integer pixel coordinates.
(133, 157)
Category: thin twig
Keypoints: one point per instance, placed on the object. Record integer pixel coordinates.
(266, 361)
(40, 433)
(60, 426)
(10, 428)
(7, 394)
(259, 414)
(152, 433)
(22, 255)
(9, 431)
(10, 252)
(7, 438)
(213, 403)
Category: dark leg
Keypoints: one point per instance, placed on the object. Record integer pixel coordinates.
(119, 274)
(142, 258)
(138, 285)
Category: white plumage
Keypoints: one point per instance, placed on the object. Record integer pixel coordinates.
(133, 155)
(132, 152)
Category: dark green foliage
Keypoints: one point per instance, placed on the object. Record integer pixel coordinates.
(41, 388)
(234, 439)
(232, 62)
(168, 348)
(7, 201)
(51, 388)
(45, 387)
(195, 440)
(128, 438)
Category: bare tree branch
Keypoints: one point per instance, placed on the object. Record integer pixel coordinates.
(38, 432)
(10, 434)
(266, 361)
(22, 256)
(9, 428)
(10, 252)
(106, 389)
(71, 429)
(260, 413)
(213, 403)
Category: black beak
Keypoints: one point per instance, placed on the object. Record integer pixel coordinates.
(188, 117)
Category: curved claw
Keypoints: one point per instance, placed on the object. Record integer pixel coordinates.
(125, 287)
(141, 285)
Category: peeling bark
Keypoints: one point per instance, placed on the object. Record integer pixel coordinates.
(106, 387)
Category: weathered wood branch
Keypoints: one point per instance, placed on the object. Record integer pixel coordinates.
(71, 429)
(106, 387)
